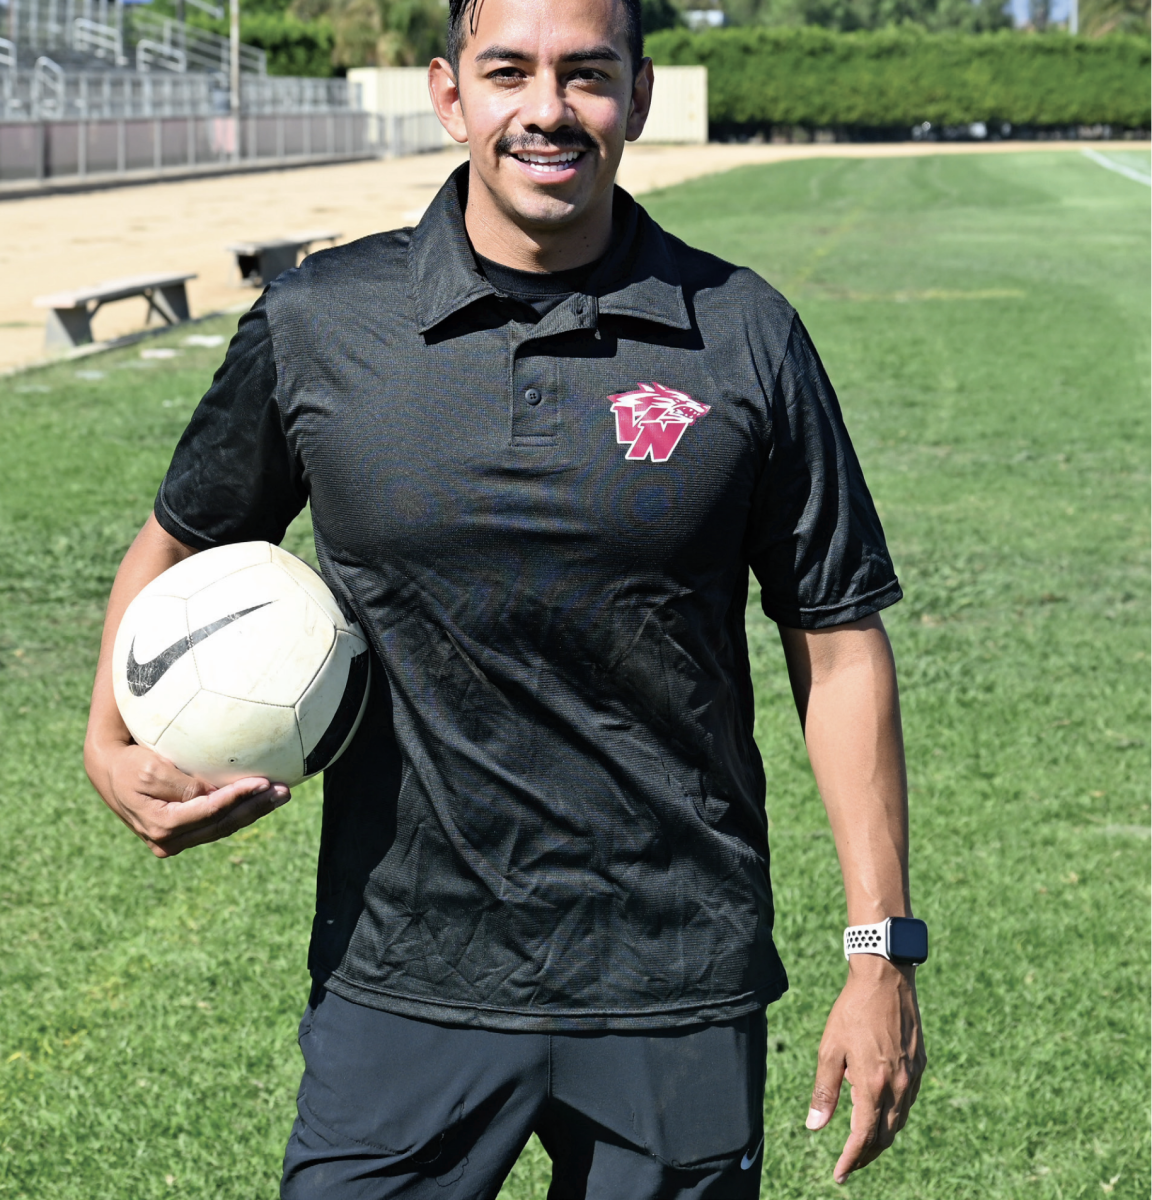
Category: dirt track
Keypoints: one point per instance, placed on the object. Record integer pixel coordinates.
(65, 241)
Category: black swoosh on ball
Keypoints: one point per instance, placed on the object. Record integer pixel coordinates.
(143, 677)
(346, 712)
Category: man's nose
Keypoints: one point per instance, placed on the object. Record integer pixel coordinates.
(544, 105)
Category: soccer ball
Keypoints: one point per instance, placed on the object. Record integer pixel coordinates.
(238, 662)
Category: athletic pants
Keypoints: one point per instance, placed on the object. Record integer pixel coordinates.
(392, 1107)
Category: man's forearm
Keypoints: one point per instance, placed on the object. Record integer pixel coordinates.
(844, 681)
(152, 552)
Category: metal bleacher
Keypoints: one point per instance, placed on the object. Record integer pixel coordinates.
(100, 87)
(89, 59)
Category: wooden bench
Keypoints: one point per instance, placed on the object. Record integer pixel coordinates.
(260, 262)
(70, 319)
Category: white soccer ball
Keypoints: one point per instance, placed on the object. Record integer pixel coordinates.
(238, 662)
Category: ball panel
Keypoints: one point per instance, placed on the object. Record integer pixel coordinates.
(148, 716)
(221, 739)
(273, 648)
(331, 710)
(199, 570)
(151, 624)
(303, 575)
(153, 674)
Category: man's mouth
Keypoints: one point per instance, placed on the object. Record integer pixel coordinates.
(557, 161)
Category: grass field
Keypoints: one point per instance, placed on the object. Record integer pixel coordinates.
(985, 320)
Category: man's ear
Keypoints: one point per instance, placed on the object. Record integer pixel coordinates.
(641, 100)
(445, 95)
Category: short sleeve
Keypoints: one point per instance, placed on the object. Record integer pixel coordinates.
(815, 542)
(234, 477)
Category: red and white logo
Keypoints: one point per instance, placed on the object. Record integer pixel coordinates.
(651, 420)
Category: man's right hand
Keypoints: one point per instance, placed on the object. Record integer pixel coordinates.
(168, 810)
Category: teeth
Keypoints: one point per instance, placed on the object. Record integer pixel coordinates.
(554, 161)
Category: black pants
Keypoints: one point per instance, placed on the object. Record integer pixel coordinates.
(391, 1107)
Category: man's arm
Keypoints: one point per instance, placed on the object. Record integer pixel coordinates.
(167, 809)
(844, 683)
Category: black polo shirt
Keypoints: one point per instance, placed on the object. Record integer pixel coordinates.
(553, 815)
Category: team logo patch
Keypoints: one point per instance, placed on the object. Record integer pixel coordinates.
(651, 420)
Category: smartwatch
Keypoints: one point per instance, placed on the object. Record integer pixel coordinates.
(902, 940)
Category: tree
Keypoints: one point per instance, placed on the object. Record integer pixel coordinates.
(385, 33)
(659, 14)
(1098, 17)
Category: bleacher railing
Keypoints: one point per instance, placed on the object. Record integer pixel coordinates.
(104, 41)
(202, 50)
(149, 54)
(73, 32)
(50, 25)
(48, 87)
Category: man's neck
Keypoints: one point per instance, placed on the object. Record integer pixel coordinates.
(498, 236)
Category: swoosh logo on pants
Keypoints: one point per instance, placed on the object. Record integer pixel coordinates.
(749, 1159)
(143, 677)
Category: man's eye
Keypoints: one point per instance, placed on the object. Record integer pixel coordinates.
(512, 73)
(589, 74)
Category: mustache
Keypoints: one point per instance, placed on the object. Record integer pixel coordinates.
(560, 139)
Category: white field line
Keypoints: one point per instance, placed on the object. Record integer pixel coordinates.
(1119, 168)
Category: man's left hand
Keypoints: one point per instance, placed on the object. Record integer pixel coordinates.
(874, 1039)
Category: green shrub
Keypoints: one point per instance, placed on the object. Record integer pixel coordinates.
(815, 78)
(848, 16)
(294, 47)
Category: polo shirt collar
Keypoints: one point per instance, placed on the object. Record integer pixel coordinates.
(638, 278)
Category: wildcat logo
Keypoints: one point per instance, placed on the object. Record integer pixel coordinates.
(651, 420)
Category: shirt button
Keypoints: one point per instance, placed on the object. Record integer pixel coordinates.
(532, 396)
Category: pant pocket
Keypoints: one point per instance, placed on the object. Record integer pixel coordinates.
(401, 1086)
(686, 1097)
(305, 1025)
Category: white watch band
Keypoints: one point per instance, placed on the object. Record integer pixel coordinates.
(867, 939)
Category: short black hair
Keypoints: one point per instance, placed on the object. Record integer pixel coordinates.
(462, 16)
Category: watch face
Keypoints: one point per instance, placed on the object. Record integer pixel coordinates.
(907, 940)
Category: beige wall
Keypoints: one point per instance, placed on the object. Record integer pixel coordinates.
(679, 101)
(392, 91)
(679, 106)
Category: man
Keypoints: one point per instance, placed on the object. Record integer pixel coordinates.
(543, 442)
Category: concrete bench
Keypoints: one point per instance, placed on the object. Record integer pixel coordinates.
(70, 319)
(260, 262)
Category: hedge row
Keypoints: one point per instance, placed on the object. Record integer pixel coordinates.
(815, 78)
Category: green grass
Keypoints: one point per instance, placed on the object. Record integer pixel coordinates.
(985, 320)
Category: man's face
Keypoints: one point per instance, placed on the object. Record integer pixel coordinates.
(546, 96)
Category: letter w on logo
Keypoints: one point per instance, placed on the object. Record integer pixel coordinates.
(651, 420)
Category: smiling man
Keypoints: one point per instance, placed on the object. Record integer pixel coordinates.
(553, 92)
(543, 443)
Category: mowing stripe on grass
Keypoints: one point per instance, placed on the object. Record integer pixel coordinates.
(1120, 169)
